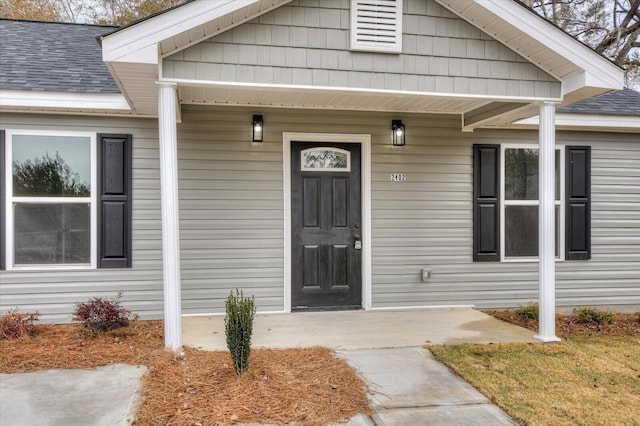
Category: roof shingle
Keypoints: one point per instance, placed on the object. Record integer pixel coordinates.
(620, 102)
(51, 56)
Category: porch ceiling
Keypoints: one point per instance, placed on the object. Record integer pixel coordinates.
(340, 99)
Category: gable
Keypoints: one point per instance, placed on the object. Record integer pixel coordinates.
(306, 43)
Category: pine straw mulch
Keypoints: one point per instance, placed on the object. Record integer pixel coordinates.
(567, 327)
(293, 386)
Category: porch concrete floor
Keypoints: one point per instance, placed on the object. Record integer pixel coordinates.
(360, 329)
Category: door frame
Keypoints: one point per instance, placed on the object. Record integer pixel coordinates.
(365, 169)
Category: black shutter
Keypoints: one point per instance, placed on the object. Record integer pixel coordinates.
(486, 203)
(114, 201)
(3, 223)
(578, 202)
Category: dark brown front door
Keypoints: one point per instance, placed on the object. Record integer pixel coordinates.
(326, 226)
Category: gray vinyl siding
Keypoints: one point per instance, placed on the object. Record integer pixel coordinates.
(306, 42)
(231, 211)
(54, 293)
(232, 219)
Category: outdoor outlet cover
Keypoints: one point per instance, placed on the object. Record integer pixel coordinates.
(426, 274)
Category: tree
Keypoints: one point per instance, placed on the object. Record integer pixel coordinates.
(37, 10)
(610, 27)
(47, 176)
(122, 12)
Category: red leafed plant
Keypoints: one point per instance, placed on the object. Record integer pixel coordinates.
(100, 314)
(16, 324)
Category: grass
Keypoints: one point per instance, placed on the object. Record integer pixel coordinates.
(587, 380)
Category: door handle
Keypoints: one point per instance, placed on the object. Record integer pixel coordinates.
(356, 237)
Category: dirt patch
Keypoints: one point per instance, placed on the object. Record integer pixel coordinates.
(301, 386)
(568, 327)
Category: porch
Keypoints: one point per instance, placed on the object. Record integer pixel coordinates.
(360, 329)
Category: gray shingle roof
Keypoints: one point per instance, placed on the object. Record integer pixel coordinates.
(49, 56)
(620, 102)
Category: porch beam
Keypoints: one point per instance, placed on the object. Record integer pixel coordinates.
(167, 111)
(546, 232)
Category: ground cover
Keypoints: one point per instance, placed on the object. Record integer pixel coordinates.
(591, 377)
(301, 386)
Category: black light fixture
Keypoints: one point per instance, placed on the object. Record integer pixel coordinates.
(397, 133)
(258, 126)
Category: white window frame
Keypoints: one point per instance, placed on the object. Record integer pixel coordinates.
(10, 200)
(504, 203)
(374, 46)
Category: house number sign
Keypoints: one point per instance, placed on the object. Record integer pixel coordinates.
(398, 177)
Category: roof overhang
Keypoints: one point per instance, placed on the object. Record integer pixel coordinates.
(133, 54)
(134, 57)
(587, 122)
(582, 72)
(63, 102)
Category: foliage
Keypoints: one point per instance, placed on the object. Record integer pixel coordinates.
(123, 12)
(593, 316)
(15, 324)
(530, 311)
(99, 314)
(37, 10)
(610, 27)
(238, 324)
(47, 176)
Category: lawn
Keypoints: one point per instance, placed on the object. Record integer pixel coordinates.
(592, 377)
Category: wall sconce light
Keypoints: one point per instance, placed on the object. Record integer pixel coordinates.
(258, 126)
(397, 133)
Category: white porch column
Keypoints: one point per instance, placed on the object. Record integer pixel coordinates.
(167, 108)
(546, 233)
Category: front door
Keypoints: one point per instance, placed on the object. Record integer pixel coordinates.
(326, 226)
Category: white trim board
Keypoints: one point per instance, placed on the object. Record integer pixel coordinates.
(75, 102)
(587, 122)
(365, 141)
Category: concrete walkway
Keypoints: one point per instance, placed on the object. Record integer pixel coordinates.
(360, 329)
(409, 387)
(103, 396)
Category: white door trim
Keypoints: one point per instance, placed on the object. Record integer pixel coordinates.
(365, 141)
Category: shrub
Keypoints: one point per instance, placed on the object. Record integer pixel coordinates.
(238, 327)
(101, 314)
(530, 311)
(588, 316)
(16, 324)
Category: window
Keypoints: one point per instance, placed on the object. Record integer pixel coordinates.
(325, 159)
(50, 186)
(376, 25)
(506, 203)
(65, 200)
(520, 202)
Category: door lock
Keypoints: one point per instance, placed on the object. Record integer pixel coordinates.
(357, 244)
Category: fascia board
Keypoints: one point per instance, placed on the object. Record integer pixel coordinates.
(588, 121)
(63, 100)
(126, 44)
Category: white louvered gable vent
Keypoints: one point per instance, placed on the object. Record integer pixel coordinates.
(376, 25)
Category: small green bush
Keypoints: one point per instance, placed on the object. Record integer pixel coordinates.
(238, 325)
(530, 311)
(587, 316)
(99, 314)
(15, 324)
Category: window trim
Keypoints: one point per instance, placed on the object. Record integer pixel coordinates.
(10, 200)
(504, 203)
